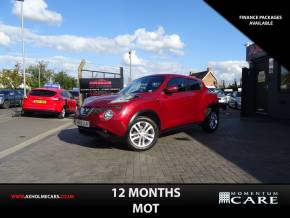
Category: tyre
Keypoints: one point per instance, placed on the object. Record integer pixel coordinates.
(142, 134)
(62, 114)
(211, 122)
(6, 104)
(26, 113)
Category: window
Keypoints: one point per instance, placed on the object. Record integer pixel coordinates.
(284, 79)
(144, 84)
(69, 95)
(65, 95)
(44, 93)
(179, 82)
(74, 93)
(192, 85)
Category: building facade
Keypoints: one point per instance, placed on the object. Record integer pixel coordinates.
(207, 77)
(265, 85)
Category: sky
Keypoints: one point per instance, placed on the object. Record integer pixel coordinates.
(165, 36)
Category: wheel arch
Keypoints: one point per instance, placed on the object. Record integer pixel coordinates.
(147, 113)
(212, 107)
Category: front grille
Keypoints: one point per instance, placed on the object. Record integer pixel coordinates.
(85, 111)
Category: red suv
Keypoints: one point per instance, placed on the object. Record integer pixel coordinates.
(49, 100)
(149, 106)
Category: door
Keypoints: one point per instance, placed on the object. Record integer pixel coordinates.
(12, 97)
(65, 95)
(71, 102)
(176, 106)
(194, 88)
(262, 84)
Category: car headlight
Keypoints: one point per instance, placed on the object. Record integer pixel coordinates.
(108, 114)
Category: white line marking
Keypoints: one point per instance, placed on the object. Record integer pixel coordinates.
(37, 138)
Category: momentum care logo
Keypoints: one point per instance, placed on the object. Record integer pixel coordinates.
(255, 198)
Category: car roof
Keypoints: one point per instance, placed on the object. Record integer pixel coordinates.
(174, 75)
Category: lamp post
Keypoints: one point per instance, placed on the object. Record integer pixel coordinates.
(39, 66)
(23, 51)
(130, 58)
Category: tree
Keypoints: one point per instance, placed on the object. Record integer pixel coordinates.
(65, 81)
(34, 71)
(10, 79)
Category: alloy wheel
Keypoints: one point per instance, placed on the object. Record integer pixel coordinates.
(142, 134)
(213, 120)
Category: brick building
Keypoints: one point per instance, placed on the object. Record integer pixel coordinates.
(207, 77)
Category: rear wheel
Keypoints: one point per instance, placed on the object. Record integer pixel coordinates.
(62, 114)
(142, 134)
(211, 122)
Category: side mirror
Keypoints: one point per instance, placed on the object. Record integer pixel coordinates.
(171, 90)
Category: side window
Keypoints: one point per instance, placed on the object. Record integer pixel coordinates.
(192, 85)
(179, 82)
(64, 94)
(69, 95)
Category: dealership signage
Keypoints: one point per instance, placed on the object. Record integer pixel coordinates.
(104, 84)
(248, 198)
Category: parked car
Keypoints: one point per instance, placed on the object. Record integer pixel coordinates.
(235, 100)
(222, 98)
(228, 93)
(147, 107)
(223, 102)
(10, 97)
(76, 95)
(49, 100)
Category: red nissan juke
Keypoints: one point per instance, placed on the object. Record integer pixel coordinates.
(147, 107)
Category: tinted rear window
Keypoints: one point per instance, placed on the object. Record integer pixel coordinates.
(43, 93)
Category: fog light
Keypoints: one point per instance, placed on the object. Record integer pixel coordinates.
(108, 114)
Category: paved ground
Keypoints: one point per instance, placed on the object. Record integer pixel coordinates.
(8, 114)
(241, 151)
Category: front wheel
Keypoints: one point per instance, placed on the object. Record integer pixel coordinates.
(211, 122)
(142, 134)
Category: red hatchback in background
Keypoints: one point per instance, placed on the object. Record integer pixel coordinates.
(49, 100)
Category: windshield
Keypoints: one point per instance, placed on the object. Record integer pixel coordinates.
(144, 84)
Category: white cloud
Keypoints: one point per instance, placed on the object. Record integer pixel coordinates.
(134, 59)
(142, 67)
(228, 70)
(37, 10)
(4, 39)
(157, 42)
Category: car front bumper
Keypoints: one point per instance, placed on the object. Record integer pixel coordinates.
(97, 124)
